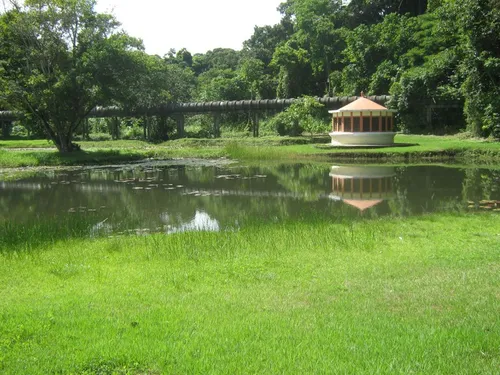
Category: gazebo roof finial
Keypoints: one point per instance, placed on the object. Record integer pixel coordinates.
(363, 94)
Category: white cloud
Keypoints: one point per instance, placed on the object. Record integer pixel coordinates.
(198, 25)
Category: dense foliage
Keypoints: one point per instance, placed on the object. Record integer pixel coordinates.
(57, 58)
(439, 59)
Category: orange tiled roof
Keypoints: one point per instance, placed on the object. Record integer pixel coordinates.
(363, 104)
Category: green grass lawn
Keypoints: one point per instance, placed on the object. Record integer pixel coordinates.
(437, 148)
(386, 296)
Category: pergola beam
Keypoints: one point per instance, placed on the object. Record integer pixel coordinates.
(168, 109)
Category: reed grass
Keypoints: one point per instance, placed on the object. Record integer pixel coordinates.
(36, 233)
(412, 295)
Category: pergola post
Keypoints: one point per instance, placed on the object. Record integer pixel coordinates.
(255, 123)
(6, 126)
(180, 119)
(429, 116)
(216, 129)
(86, 129)
(146, 127)
(115, 128)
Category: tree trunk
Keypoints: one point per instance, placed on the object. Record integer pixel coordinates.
(64, 142)
(61, 134)
(117, 128)
(327, 73)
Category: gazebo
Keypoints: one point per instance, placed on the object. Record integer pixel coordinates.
(362, 123)
(362, 187)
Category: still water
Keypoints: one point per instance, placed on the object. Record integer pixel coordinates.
(174, 198)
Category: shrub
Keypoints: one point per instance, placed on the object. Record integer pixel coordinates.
(305, 114)
(100, 137)
(133, 132)
(19, 131)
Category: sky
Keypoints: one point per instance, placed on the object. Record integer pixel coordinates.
(197, 25)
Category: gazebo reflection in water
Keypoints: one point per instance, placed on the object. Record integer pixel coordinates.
(362, 187)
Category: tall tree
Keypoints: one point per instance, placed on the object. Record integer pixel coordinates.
(266, 39)
(317, 26)
(367, 12)
(221, 84)
(219, 58)
(251, 72)
(55, 62)
(480, 22)
(295, 70)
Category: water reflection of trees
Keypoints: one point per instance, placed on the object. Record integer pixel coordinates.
(421, 189)
(140, 197)
(481, 184)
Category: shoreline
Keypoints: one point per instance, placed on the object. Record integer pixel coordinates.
(408, 149)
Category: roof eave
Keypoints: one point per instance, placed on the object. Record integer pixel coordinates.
(363, 110)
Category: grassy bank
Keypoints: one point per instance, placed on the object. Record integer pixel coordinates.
(414, 295)
(412, 149)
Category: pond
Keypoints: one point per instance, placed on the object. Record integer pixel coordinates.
(148, 198)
